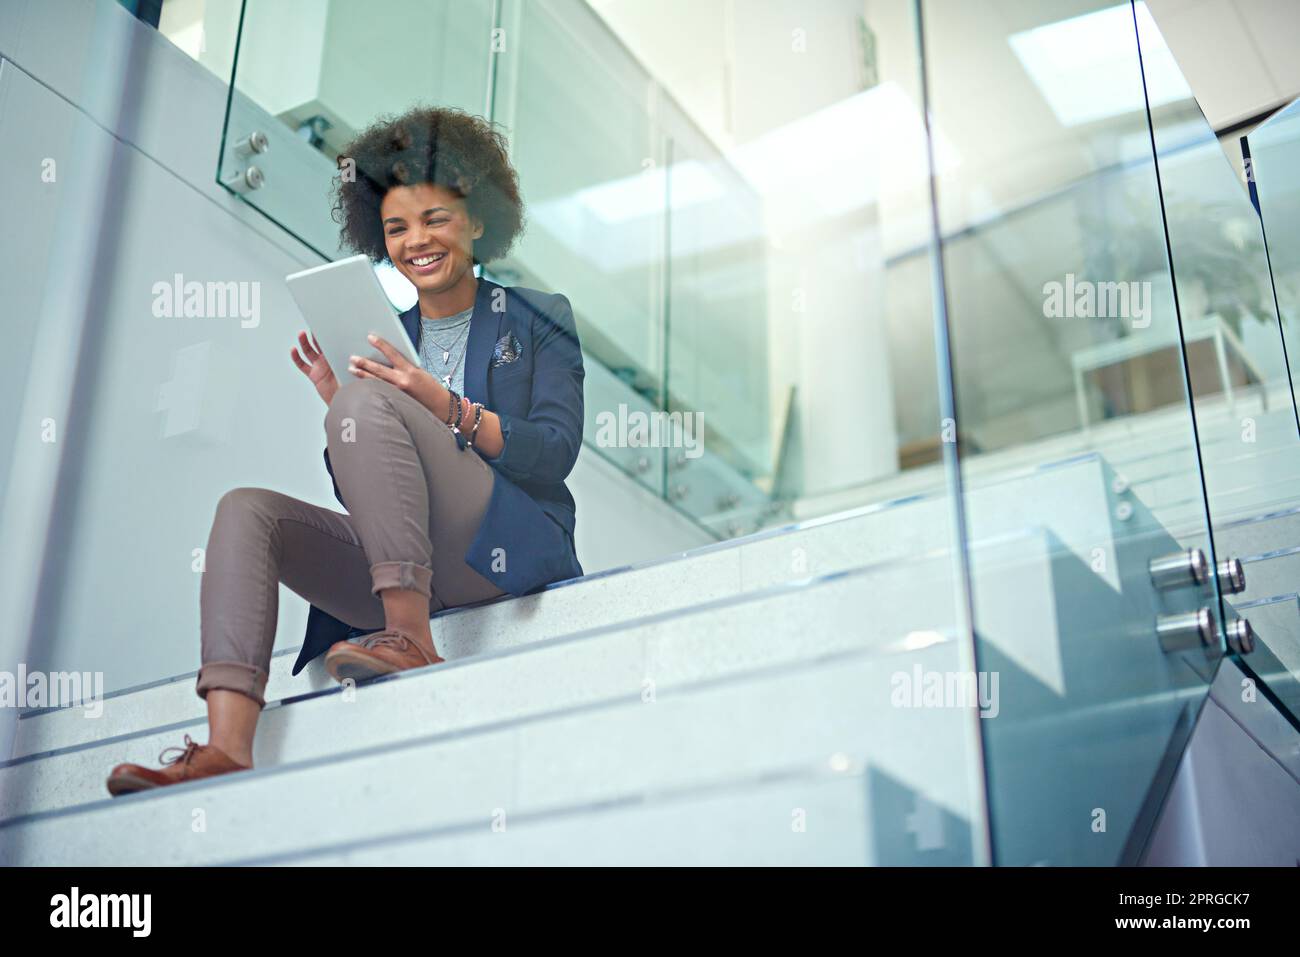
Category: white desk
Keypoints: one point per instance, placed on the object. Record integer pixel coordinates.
(1146, 341)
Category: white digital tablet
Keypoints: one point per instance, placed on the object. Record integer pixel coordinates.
(343, 303)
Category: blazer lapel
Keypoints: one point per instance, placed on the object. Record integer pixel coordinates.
(484, 329)
(411, 323)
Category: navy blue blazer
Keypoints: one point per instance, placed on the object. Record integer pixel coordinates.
(538, 396)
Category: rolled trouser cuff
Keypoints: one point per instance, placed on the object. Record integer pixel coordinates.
(407, 576)
(248, 680)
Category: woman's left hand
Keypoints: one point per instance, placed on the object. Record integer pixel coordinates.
(411, 379)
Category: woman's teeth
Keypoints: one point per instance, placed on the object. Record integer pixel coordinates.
(427, 260)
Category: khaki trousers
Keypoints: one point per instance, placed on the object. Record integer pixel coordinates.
(415, 500)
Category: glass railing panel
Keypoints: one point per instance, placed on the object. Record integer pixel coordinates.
(578, 111)
(684, 248)
(868, 317)
(1053, 202)
(1272, 155)
(722, 214)
(718, 261)
(309, 97)
(306, 102)
(603, 391)
(723, 218)
(582, 125)
(1235, 359)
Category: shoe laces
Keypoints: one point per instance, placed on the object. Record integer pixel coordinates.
(394, 638)
(398, 640)
(185, 755)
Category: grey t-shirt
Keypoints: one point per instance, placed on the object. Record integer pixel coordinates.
(442, 348)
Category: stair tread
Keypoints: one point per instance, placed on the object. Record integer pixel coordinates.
(688, 737)
(692, 647)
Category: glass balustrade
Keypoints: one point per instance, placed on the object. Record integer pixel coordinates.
(1073, 416)
(747, 230)
(1271, 155)
(952, 308)
(1236, 368)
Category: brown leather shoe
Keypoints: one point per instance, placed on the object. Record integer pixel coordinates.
(193, 762)
(382, 653)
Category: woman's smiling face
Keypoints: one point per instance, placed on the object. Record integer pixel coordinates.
(429, 234)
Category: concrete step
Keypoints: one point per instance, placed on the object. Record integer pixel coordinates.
(1075, 499)
(821, 819)
(1053, 618)
(1277, 621)
(1272, 575)
(834, 712)
(1051, 627)
(1259, 535)
(1139, 447)
(719, 639)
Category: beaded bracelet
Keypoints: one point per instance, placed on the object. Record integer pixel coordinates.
(452, 403)
(460, 413)
(478, 417)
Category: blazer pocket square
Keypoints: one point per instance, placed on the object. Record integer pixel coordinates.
(506, 350)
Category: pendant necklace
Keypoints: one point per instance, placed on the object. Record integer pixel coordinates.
(446, 353)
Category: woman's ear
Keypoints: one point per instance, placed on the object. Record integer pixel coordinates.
(478, 229)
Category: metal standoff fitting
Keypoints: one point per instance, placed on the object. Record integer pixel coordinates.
(1232, 576)
(1187, 630)
(1241, 636)
(246, 180)
(254, 142)
(1189, 567)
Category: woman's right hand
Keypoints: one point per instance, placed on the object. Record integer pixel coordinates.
(312, 364)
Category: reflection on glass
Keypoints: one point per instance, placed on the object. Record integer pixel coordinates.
(1268, 547)
(346, 66)
(1274, 151)
(742, 220)
(1066, 341)
(724, 224)
(742, 226)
